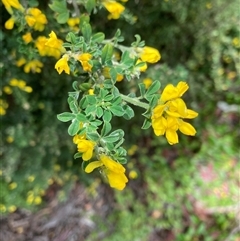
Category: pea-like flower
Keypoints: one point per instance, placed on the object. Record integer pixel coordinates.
(150, 55)
(84, 146)
(62, 65)
(54, 42)
(9, 4)
(114, 171)
(36, 19)
(27, 38)
(9, 24)
(84, 60)
(45, 50)
(114, 8)
(167, 115)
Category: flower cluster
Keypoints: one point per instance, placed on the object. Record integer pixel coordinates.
(112, 170)
(168, 114)
(21, 84)
(33, 65)
(36, 19)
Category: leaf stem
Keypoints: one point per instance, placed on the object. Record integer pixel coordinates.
(134, 101)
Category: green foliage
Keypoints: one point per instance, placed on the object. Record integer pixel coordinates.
(199, 43)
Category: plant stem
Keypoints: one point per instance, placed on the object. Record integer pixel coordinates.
(134, 101)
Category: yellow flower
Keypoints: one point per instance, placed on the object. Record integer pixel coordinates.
(54, 42)
(37, 200)
(9, 24)
(114, 8)
(8, 4)
(9, 139)
(113, 170)
(62, 65)
(150, 55)
(45, 50)
(34, 66)
(21, 62)
(36, 19)
(7, 90)
(84, 146)
(133, 174)
(167, 115)
(147, 82)
(12, 208)
(31, 178)
(2, 208)
(12, 185)
(170, 92)
(84, 59)
(91, 91)
(2, 111)
(27, 38)
(236, 42)
(73, 23)
(27, 89)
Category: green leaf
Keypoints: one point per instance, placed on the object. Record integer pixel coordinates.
(142, 89)
(74, 127)
(81, 117)
(107, 116)
(108, 97)
(75, 85)
(73, 107)
(71, 37)
(98, 37)
(122, 160)
(91, 99)
(107, 53)
(113, 74)
(96, 123)
(103, 93)
(90, 5)
(58, 6)
(106, 128)
(154, 87)
(63, 17)
(108, 84)
(90, 110)
(99, 112)
(117, 101)
(114, 136)
(83, 102)
(87, 31)
(93, 136)
(77, 155)
(146, 124)
(84, 18)
(129, 113)
(127, 60)
(66, 116)
(117, 110)
(154, 100)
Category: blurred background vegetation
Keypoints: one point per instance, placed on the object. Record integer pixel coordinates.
(189, 191)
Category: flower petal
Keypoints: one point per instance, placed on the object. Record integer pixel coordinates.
(117, 180)
(93, 165)
(182, 88)
(191, 114)
(172, 136)
(186, 128)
